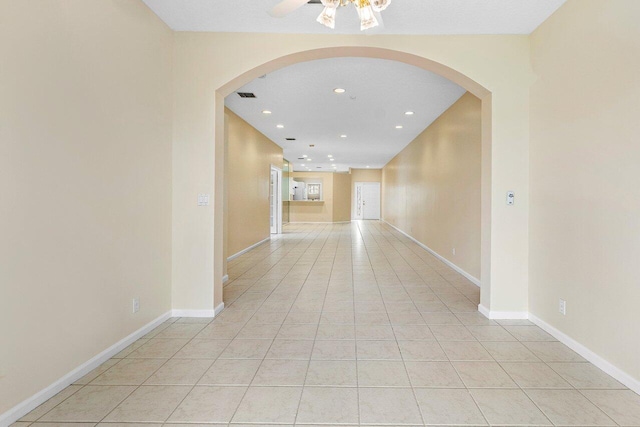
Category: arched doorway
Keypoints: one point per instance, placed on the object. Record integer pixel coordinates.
(365, 52)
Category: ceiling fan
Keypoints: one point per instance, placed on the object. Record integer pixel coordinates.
(368, 10)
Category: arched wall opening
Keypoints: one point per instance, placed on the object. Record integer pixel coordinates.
(365, 52)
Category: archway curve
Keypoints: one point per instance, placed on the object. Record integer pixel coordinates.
(357, 52)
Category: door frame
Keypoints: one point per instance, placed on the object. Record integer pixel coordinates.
(278, 200)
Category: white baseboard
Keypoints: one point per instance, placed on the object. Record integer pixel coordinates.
(198, 313)
(502, 315)
(320, 222)
(219, 308)
(245, 250)
(606, 366)
(472, 279)
(225, 278)
(27, 405)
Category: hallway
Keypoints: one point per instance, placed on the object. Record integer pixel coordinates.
(346, 324)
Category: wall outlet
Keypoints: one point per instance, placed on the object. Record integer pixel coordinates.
(562, 307)
(136, 305)
(454, 251)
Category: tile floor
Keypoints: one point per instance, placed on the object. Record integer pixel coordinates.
(349, 324)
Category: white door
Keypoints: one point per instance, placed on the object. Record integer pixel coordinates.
(367, 200)
(275, 201)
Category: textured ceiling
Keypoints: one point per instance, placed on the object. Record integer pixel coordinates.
(378, 93)
(402, 16)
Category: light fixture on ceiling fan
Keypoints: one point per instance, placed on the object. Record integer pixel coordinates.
(368, 10)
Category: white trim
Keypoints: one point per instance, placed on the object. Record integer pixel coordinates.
(319, 222)
(472, 279)
(502, 315)
(606, 366)
(219, 308)
(245, 250)
(192, 313)
(29, 404)
(225, 278)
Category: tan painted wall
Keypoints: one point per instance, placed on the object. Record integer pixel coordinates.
(205, 63)
(250, 156)
(341, 197)
(300, 211)
(364, 175)
(85, 178)
(585, 157)
(432, 187)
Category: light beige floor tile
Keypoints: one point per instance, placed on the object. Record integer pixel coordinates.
(372, 319)
(390, 406)
(269, 317)
(553, 351)
(202, 349)
(302, 317)
(334, 350)
(375, 373)
(442, 406)
(40, 424)
(508, 407)
(129, 372)
(465, 351)
(297, 332)
(281, 373)
(220, 331)
(451, 333)
(529, 333)
(422, 350)
(97, 372)
(374, 332)
(269, 405)
(534, 375)
(91, 403)
(246, 349)
(623, 406)
(50, 404)
(128, 350)
(411, 318)
(413, 332)
(476, 318)
(509, 352)
(181, 330)
(585, 376)
(258, 331)
(569, 408)
(377, 350)
(159, 348)
(290, 349)
(209, 405)
(440, 319)
(433, 374)
(180, 372)
(231, 372)
(200, 320)
(149, 403)
(336, 332)
(490, 333)
(328, 405)
(332, 373)
(483, 374)
(337, 318)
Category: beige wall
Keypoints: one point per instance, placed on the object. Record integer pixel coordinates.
(206, 63)
(85, 178)
(364, 175)
(341, 197)
(432, 187)
(250, 156)
(585, 157)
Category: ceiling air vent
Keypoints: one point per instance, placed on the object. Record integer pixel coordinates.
(300, 158)
(290, 139)
(246, 95)
(318, 167)
(314, 2)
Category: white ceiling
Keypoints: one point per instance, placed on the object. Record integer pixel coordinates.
(402, 16)
(378, 93)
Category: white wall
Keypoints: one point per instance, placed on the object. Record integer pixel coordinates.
(85, 183)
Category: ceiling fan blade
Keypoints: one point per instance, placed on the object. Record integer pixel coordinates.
(285, 7)
(379, 29)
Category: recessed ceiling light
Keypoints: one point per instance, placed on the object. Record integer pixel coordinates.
(329, 155)
(333, 165)
(339, 90)
(303, 164)
(368, 166)
(308, 160)
(280, 126)
(304, 155)
(409, 113)
(399, 127)
(266, 112)
(343, 136)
